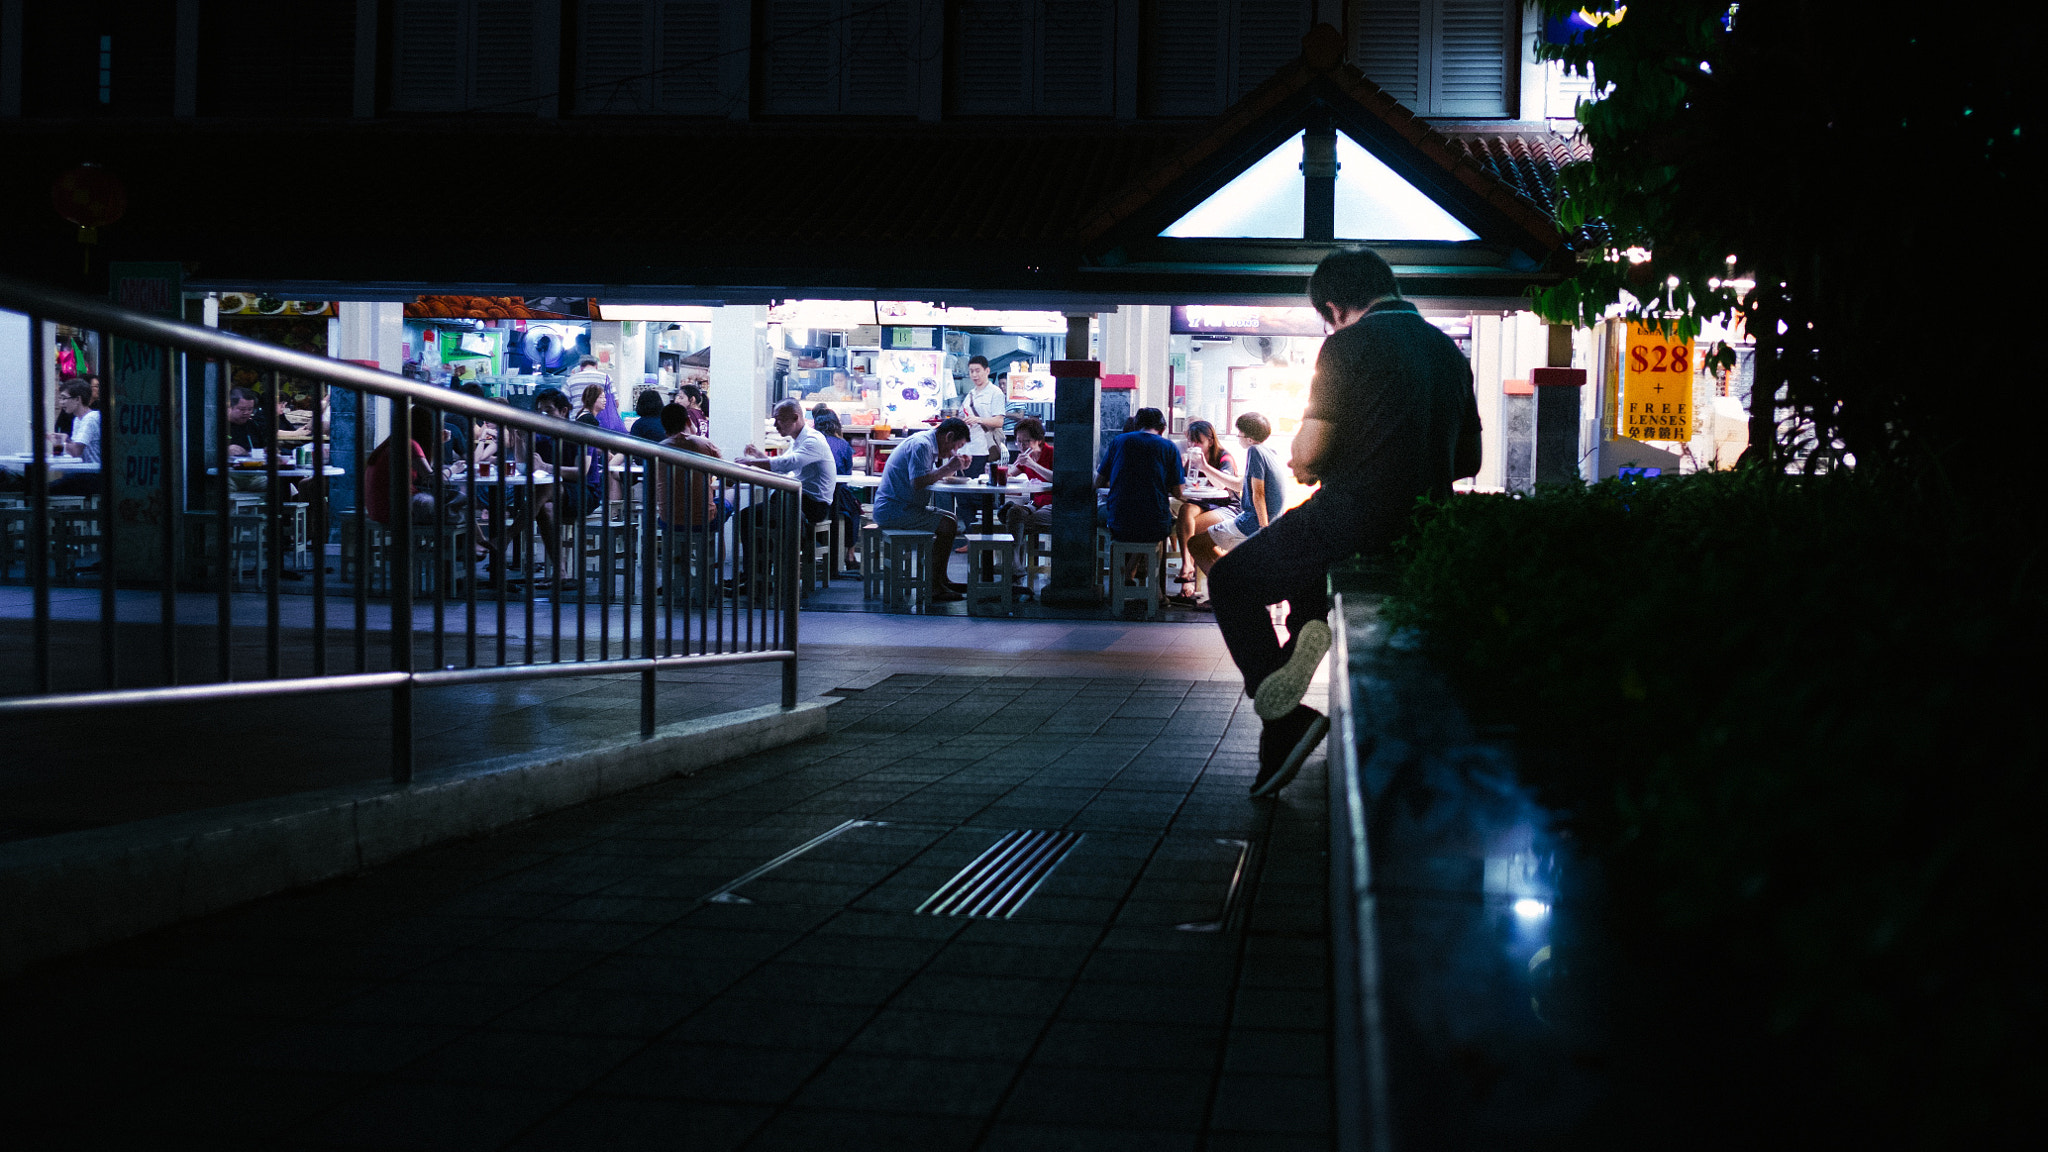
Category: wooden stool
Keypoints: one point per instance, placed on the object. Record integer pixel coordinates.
(1149, 587)
(906, 568)
(989, 594)
(870, 562)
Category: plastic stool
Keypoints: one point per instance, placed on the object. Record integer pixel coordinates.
(990, 596)
(906, 568)
(1150, 585)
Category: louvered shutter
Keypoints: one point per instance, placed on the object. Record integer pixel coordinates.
(430, 56)
(689, 57)
(877, 56)
(1077, 39)
(1269, 36)
(614, 56)
(799, 63)
(501, 72)
(1389, 47)
(1187, 57)
(1473, 48)
(1562, 91)
(993, 46)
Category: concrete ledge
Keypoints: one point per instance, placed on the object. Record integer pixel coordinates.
(64, 894)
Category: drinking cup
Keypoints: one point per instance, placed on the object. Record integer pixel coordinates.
(998, 474)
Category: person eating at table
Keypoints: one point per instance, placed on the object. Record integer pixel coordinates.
(845, 501)
(579, 479)
(74, 399)
(1141, 471)
(904, 499)
(809, 457)
(1263, 492)
(1206, 457)
(1031, 513)
(246, 434)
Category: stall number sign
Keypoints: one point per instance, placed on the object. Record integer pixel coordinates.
(1656, 391)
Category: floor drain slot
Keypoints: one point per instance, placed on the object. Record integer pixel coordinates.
(1230, 894)
(728, 893)
(1001, 879)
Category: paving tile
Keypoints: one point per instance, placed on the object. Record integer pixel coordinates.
(612, 1122)
(1277, 1052)
(509, 1059)
(1147, 1004)
(981, 995)
(1090, 1044)
(818, 984)
(1075, 1138)
(704, 1072)
(1166, 1101)
(907, 1084)
(947, 1035)
(589, 1009)
(767, 1023)
(434, 1116)
(1296, 1104)
(811, 1129)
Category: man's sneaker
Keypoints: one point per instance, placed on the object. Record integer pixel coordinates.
(1284, 746)
(1278, 694)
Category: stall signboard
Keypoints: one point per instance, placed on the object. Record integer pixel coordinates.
(1656, 385)
(834, 314)
(131, 432)
(1229, 320)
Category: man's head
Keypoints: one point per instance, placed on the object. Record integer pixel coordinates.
(1347, 283)
(1254, 427)
(950, 435)
(551, 402)
(977, 370)
(1030, 433)
(587, 364)
(1151, 420)
(648, 403)
(74, 396)
(789, 417)
(241, 405)
(675, 418)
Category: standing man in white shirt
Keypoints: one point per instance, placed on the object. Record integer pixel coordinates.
(809, 456)
(982, 411)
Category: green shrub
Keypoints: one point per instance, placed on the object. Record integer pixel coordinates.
(1797, 721)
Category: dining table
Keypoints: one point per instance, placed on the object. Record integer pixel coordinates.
(59, 465)
(987, 495)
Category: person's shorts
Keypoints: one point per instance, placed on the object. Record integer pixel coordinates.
(1227, 535)
(915, 519)
(573, 501)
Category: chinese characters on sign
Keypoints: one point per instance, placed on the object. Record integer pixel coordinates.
(1656, 386)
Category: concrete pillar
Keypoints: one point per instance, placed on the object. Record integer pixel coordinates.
(16, 354)
(1319, 183)
(361, 332)
(738, 392)
(1558, 411)
(1077, 398)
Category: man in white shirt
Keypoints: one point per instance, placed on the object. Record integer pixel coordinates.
(982, 411)
(809, 456)
(74, 399)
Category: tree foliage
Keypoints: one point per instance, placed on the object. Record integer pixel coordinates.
(1862, 162)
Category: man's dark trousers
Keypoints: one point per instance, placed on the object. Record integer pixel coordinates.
(1289, 560)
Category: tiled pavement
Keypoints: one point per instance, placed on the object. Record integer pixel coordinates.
(563, 984)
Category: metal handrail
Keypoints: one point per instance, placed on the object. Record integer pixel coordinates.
(88, 312)
(762, 620)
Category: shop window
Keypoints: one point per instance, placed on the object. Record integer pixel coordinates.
(648, 56)
(1204, 55)
(1440, 57)
(259, 59)
(1373, 202)
(1034, 57)
(838, 56)
(470, 56)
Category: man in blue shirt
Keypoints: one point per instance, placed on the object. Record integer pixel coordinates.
(1262, 492)
(1141, 470)
(904, 499)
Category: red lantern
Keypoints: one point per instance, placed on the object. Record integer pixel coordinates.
(89, 196)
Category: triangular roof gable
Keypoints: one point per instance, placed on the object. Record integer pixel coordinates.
(1319, 90)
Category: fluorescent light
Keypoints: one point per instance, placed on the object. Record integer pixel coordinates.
(676, 313)
(1530, 908)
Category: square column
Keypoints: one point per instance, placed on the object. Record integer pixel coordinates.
(1076, 442)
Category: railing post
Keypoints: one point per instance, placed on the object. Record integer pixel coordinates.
(39, 500)
(649, 558)
(793, 570)
(398, 474)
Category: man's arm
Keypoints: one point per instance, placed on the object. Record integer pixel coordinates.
(1258, 497)
(1465, 464)
(1311, 443)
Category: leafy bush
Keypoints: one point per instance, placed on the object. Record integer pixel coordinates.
(1795, 720)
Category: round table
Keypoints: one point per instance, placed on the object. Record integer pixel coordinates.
(986, 494)
(1204, 492)
(861, 480)
(284, 473)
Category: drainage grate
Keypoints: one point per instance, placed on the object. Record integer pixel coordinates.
(1230, 894)
(727, 895)
(1001, 879)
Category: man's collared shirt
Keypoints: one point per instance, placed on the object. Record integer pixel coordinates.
(810, 457)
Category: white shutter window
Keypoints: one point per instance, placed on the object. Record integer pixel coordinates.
(992, 44)
(1077, 42)
(879, 66)
(501, 74)
(1562, 91)
(614, 57)
(1389, 47)
(799, 62)
(1473, 48)
(689, 57)
(430, 54)
(1268, 38)
(1187, 60)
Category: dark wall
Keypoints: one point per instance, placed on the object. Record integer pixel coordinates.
(264, 58)
(61, 57)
